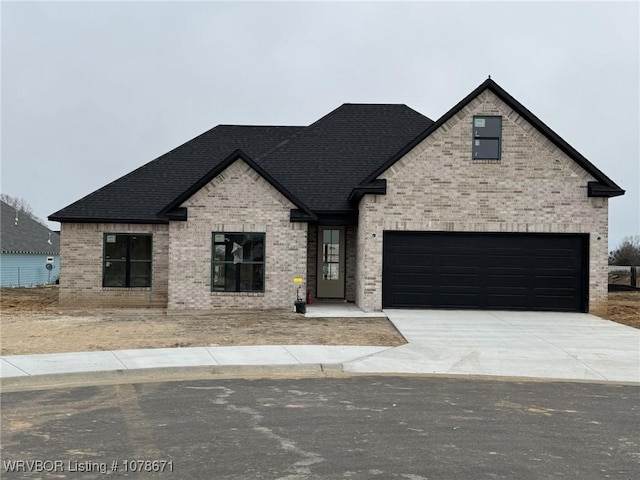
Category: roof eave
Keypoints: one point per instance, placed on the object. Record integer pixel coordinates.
(297, 215)
(29, 252)
(597, 189)
(336, 217)
(65, 219)
(375, 187)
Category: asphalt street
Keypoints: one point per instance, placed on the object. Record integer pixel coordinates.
(324, 428)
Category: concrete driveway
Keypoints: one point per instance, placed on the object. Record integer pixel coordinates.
(516, 344)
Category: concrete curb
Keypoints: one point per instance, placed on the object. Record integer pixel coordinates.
(191, 373)
(164, 373)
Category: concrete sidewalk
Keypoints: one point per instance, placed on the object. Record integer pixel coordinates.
(109, 361)
(567, 346)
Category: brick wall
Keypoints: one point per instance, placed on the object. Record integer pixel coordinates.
(81, 250)
(351, 253)
(237, 200)
(437, 187)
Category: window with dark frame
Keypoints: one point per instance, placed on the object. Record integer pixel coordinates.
(331, 255)
(237, 263)
(127, 260)
(487, 137)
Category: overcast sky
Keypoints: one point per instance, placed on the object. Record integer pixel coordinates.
(93, 90)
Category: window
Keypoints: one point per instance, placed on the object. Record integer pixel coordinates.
(487, 137)
(237, 262)
(127, 260)
(331, 255)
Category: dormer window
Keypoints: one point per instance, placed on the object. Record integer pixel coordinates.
(487, 137)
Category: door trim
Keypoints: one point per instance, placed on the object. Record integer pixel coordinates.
(326, 290)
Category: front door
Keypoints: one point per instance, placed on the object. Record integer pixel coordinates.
(330, 262)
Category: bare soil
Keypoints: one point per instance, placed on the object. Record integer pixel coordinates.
(33, 323)
(624, 307)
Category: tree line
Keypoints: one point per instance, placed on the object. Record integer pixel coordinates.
(627, 253)
(21, 205)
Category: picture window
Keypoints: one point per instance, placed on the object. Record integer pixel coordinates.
(127, 260)
(237, 263)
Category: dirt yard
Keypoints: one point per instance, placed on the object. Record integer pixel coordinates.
(624, 307)
(32, 322)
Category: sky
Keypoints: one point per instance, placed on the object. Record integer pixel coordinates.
(92, 90)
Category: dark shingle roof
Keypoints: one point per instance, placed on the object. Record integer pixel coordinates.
(317, 167)
(319, 164)
(140, 195)
(25, 235)
(323, 163)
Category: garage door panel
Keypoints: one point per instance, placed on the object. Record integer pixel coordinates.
(554, 252)
(552, 302)
(492, 272)
(412, 300)
(505, 281)
(554, 292)
(410, 259)
(485, 270)
(408, 279)
(504, 302)
(447, 260)
(459, 289)
(554, 272)
(457, 300)
(555, 282)
(505, 291)
(416, 289)
(459, 280)
(555, 263)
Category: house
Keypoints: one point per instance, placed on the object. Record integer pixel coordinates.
(29, 251)
(485, 208)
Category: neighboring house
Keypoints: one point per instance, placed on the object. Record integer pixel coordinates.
(26, 248)
(485, 208)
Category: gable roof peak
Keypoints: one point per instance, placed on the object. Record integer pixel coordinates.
(607, 185)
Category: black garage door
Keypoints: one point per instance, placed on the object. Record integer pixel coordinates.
(510, 271)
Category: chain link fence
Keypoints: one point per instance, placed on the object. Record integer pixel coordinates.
(28, 276)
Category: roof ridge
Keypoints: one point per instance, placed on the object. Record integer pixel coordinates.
(257, 126)
(374, 104)
(303, 130)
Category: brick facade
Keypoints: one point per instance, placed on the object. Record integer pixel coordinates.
(237, 200)
(438, 187)
(181, 275)
(81, 260)
(351, 256)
